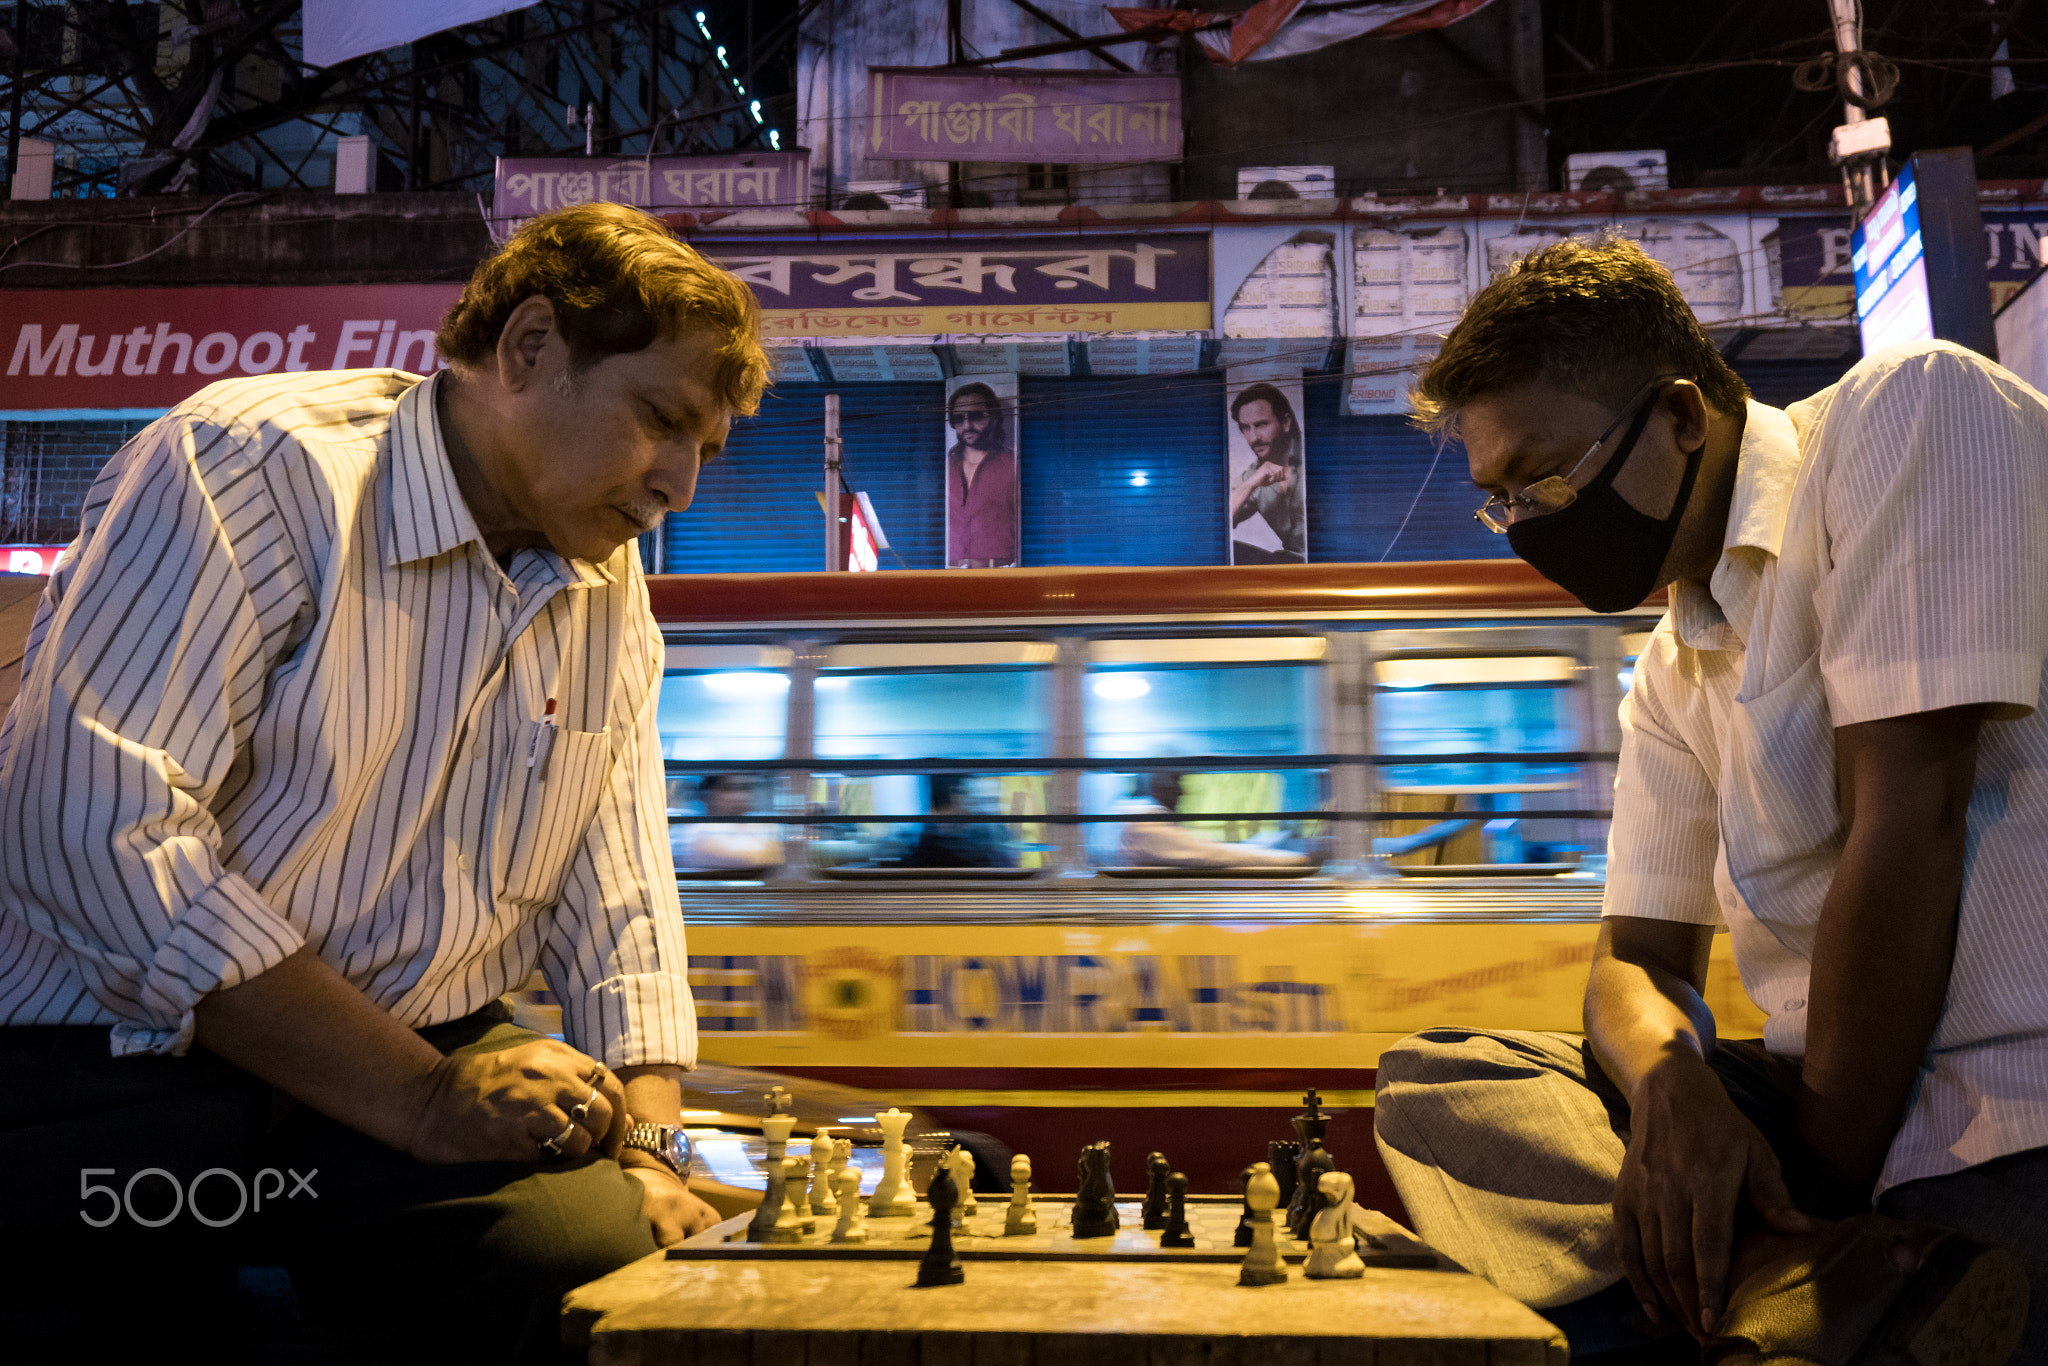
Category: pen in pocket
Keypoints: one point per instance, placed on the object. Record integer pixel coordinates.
(542, 746)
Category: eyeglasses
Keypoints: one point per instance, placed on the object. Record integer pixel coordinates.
(1556, 493)
(962, 419)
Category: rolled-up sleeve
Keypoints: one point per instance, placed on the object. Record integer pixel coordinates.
(615, 955)
(1936, 592)
(149, 668)
(1665, 835)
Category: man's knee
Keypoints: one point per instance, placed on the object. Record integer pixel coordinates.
(562, 1228)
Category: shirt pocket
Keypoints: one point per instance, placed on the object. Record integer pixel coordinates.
(1781, 821)
(548, 812)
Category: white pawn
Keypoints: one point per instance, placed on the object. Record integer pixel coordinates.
(1021, 1218)
(842, 1153)
(1333, 1251)
(1262, 1264)
(962, 1163)
(822, 1201)
(853, 1215)
(788, 1226)
(892, 1195)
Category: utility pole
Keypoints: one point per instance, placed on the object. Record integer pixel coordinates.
(14, 97)
(1860, 142)
(835, 552)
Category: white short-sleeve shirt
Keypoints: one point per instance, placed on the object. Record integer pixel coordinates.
(1887, 554)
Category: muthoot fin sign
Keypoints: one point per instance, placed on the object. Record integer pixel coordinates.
(77, 349)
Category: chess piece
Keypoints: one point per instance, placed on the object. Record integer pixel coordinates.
(788, 1226)
(1312, 1124)
(1333, 1252)
(941, 1264)
(1244, 1220)
(963, 1177)
(1262, 1264)
(1157, 1169)
(1021, 1218)
(853, 1218)
(1284, 1157)
(775, 1129)
(822, 1200)
(892, 1193)
(1308, 1196)
(1095, 1203)
(1177, 1233)
(842, 1153)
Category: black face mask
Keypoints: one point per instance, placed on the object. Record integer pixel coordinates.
(1600, 549)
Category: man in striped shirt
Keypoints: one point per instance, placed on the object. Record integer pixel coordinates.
(1834, 750)
(338, 721)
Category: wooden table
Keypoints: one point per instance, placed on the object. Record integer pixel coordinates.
(817, 1310)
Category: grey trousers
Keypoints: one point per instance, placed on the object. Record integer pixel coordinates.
(1505, 1146)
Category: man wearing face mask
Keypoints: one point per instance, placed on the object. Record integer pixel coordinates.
(1832, 748)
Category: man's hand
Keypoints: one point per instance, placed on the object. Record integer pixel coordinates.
(1267, 473)
(500, 1107)
(1692, 1159)
(673, 1214)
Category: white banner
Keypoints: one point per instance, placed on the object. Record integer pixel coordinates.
(337, 30)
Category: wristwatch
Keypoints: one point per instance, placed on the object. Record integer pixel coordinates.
(666, 1141)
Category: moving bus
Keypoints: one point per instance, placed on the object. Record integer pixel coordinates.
(1138, 854)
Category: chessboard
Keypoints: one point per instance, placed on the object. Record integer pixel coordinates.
(1212, 1219)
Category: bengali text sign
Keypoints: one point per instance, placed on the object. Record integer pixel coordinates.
(1049, 116)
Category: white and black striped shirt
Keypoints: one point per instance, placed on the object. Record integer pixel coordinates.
(1887, 554)
(280, 694)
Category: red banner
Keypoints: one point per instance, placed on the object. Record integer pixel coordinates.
(72, 349)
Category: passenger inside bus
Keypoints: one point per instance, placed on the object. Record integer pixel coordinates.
(1168, 844)
(729, 843)
(951, 845)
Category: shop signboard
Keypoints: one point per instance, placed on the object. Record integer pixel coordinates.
(881, 287)
(528, 186)
(922, 114)
(147, 349)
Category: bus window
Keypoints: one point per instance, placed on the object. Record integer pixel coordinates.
(722, 703)
(951, 714)
(1234, 697)
(1441, 722)
(1633, 644)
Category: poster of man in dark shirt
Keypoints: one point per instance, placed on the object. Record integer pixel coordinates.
(1268, 502)
(981, 472)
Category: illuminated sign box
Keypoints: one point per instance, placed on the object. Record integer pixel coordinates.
(1918, 257)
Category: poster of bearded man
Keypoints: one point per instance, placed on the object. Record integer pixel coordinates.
(982, 519)
(1267, 502)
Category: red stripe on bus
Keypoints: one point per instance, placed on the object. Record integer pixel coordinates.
(939, 594)
(884, 1079)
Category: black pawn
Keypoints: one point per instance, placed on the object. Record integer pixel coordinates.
(1284, 1157)
(941, 1264)
(1244, 1220)
(1157, 1169)
(1177, 1233)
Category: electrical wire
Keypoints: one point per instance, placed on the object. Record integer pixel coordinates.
(243, 195)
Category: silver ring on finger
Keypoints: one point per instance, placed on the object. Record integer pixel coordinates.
(579, 1113)
(553, 1146)
(596, 1077)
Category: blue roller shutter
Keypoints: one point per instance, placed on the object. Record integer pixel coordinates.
(757, 509)
(1123, 471)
